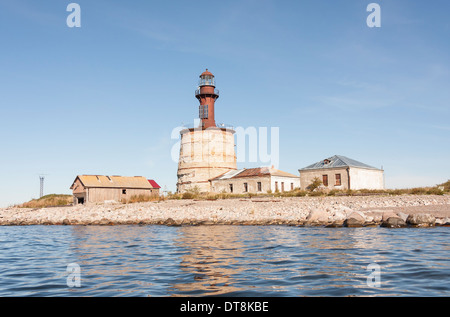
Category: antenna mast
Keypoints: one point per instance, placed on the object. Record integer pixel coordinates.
(41, 192)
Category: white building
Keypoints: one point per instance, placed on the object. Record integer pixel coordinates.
(340, 172)
(254, 180)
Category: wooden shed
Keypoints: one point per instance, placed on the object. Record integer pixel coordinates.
(100, 188)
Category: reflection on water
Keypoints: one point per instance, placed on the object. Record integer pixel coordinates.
(223, 260)
(212, 258)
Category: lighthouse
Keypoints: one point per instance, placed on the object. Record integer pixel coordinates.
(206, 151)
(207, 94)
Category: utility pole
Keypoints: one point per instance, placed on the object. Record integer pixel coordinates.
(41, 181)
(41, 193)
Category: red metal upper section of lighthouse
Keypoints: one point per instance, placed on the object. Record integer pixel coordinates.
(206, 73)
(207, 95)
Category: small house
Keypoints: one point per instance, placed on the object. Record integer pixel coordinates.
(100, 188)
(340, 172)
(254, 180)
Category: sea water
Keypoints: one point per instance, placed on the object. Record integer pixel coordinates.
(223, 261)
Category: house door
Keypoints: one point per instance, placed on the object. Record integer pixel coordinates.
(325, 180)
(80, 199)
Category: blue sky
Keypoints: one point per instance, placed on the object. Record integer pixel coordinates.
(104, 98)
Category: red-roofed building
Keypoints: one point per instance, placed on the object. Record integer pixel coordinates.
(154, 184)
(103, 188)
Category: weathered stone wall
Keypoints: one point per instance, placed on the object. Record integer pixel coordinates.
(284, 183)
(360, 178)
(306, 177)
(223, 185)
(268, 183)
(100, 195)
(204, 154)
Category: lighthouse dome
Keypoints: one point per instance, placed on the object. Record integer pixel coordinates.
(207, 79)
(206, 73)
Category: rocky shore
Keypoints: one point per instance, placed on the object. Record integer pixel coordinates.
(345, 211)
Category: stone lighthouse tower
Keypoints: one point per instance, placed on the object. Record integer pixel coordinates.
(206, 151)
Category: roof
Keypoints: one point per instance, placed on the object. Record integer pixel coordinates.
(337, 161)
(253, 172)
(153, 183)
(207, 73)
(101, 181)
(228, 175)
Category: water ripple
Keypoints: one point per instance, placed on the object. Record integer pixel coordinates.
(223, 261)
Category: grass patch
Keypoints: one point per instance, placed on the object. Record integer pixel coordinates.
(394, 192)
(142, 199)
(48, 201)
(302, 193)
(223, 195)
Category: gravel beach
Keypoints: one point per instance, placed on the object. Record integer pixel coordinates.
(319, 211)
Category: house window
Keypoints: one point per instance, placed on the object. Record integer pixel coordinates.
(338, 180)
(276, 186)
(124, 191)
(231, 188)
(292, 186)
(245, 187)
(259, 186)
(282, 186)
(325, 180)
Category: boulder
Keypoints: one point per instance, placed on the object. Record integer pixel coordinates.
(388, 214)
(445, 222)
(66, 222)
(339, 216)
(317, 216)
(374, 217)
(393, 222)
(355, 219)
(104, 222)
(421, 220)
(336, 224)
(403, 216)
(170, 222)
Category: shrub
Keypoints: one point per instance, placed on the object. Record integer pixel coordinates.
(418, 191)
(174, 196)
(187, 195)
(211, 196)
(142, 198)
(435, 191)
(332, 192)
(446, 185)
(397, 191)
(299, 193)
(316, 182)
